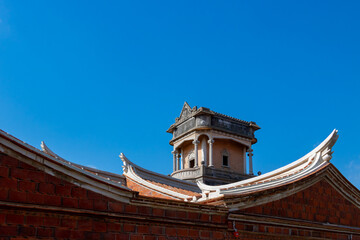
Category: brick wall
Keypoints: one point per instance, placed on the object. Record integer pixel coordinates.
(36, 205)
(318, 203)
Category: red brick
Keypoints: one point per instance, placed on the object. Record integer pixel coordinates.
(4, 194)
(51, 221)
(99, 226)
(70, 202)
(77, 235)
(17, 196)
(116, 227)
(34, 220)
(100, 205)
(150, 237)
(193, 215)
(204, 234)
(26, 186)
(85, 225)
(144, 210)
(204, 217)
(129, 227)
(14, 219)
(193, 233)
(181, 214)
(37, 176)
(182, 232)
(26, 166)
(53, 179)
(8, 183)
(7, 231)
(93, 195)
(136, 237)
(64, 191)
(68, 223)
(47, 188)
(116, 207)
(92, 236)
(19, 173)
(62, 233)
(142, 229)
(170, 213)
(35, 198)
(52, 200)
(158, 212)
(2, 219)
(45, 232)
(26, 231)
(217, 235)
(86, 204)
(216, 218)
(4, 172)
(78, 192)
(170, 231)
(130, 209)
(9, 161)
(156, 230)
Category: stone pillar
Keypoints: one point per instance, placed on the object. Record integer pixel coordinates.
(196, 142)
(174, 160)
(182, 159)
(177, 161)
(250, 154)
(211, 141)
(204, 151)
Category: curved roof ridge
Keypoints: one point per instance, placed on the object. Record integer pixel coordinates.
(295, 170)
(97, 172)
(114, 189)
(157, 177)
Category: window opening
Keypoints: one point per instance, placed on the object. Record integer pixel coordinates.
(225, 160)
(192, 163)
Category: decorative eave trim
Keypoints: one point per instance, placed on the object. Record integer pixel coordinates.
(157, 177)
(134, 172)
(296, 170)
(107, 175)
(202, 110)
(13, 147)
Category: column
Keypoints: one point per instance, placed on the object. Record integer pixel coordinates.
(196, 142)
(182, 159)
(204, 151)
(250, 154)
(211, 141)
(177, 161)
(174, 160)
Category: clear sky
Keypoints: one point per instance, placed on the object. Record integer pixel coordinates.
(96, 78)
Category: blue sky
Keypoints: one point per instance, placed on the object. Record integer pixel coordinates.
(96, 78)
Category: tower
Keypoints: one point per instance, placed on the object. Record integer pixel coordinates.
(211, 147)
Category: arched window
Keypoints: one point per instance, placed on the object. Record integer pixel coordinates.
(225, 158)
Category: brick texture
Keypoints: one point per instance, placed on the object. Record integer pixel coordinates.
(318, 203)
(22, 183)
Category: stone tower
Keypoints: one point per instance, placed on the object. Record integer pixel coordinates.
(211, 147)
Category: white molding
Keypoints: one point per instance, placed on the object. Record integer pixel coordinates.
(53, 166)
(289, 173)
(139, 174)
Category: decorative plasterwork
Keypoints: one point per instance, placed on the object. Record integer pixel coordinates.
(145, 178)
(51, 164)
(301, 168)
(211, 134)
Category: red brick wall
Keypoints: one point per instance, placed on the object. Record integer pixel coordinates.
(273, 231)
(145, 191)
(318, 203)
(49, 207)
